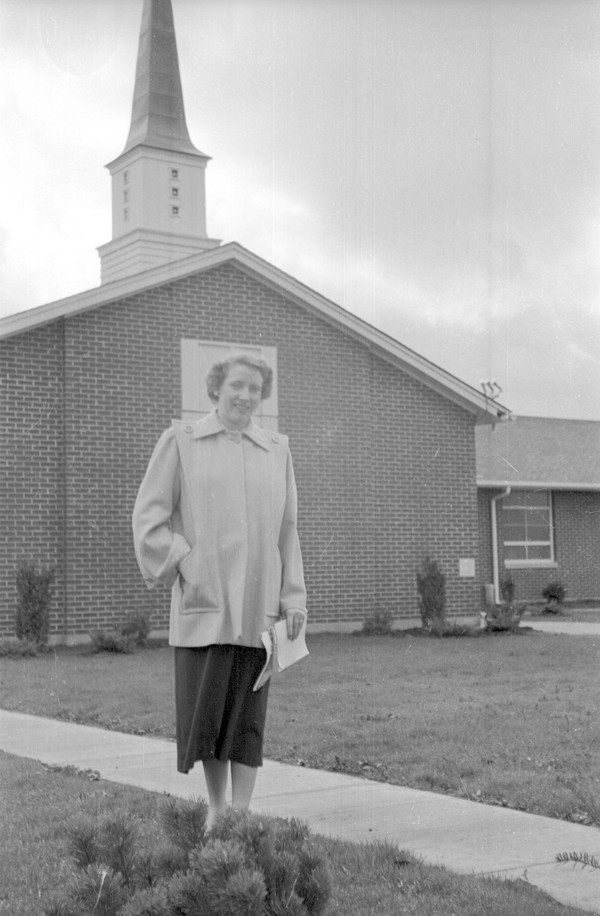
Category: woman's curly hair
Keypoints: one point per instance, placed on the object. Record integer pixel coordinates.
(218, 374)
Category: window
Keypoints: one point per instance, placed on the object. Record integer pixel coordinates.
(174, 174)
(526, 528)
(197, 357)
(174, 211)
(125, 196)
(125, 177)
(174, 192)
(126, 214)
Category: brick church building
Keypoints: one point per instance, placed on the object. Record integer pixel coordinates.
(383, 440)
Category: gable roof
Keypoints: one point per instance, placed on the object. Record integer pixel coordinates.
(536, 452)
(431, 375)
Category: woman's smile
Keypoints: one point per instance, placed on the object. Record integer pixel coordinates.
(239, 396)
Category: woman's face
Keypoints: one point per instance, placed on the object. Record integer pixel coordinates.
(239, 396)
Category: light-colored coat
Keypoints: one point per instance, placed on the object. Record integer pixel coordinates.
(215, 519)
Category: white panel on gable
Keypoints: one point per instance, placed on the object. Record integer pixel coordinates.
(197, 358)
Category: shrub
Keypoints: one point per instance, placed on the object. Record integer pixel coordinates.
(34, 587)
(554, 593)
(97, 890)
(138, 625)
(130, 633)
(112, 641)
(379, 624)
(507, 589)
(431, 585)
(506, 616)
(18, 648)
(248, 865)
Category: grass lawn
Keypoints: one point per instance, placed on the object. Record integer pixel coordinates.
(510, 720)
(39, 801)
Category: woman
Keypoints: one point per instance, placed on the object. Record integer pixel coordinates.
(215, 519)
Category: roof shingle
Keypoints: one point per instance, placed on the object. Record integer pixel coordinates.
(540, 452)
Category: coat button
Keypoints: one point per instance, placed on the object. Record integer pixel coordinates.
(188, 429)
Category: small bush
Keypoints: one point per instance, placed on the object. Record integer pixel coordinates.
(505, 616)
(554, 593)
(34, 587)
(379, 624)
(132, 632)
(184, 824)
(112, 641)
(248, 865)
(138, 625)
(431, 585)
(18, 648)
(507, 589)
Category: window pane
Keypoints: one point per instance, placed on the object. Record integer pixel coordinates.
(537, 498)
(527, 498)
(515, 533)
(538, 533)
(514, 499)
(513, 525)
(538, 516)
(539, 552)
(515, 552)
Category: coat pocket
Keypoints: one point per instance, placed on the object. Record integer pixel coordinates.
(197, 582)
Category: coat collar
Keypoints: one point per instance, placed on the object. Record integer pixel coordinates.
(211, 425)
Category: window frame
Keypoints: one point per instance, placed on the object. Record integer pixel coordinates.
(547, 506)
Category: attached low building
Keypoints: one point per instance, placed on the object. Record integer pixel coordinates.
(539, 499)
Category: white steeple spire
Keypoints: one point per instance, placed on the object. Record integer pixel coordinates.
(158, 190)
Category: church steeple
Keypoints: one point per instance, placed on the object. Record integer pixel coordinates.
(158, 193)
(158, 116)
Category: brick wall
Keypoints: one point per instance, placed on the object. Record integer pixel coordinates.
(385, 466)
(31, 464)
(576, 542)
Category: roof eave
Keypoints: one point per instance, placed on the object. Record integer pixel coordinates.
(487, 412)
(538, 485)
(484, 410)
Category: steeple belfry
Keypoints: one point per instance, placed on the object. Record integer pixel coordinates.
(158, 189)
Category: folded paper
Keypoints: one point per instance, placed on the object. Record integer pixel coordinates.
(281, 650)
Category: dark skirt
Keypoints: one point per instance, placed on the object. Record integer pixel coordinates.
(218, 715)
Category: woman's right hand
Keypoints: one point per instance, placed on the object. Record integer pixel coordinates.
(295, 621)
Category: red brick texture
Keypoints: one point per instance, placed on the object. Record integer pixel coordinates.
(32, 466)
(576, 545)
(385, 466)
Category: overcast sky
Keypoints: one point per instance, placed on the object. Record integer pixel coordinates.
(431, 165)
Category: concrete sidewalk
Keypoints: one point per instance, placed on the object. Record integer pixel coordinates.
(464, 836)
(561, 625)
